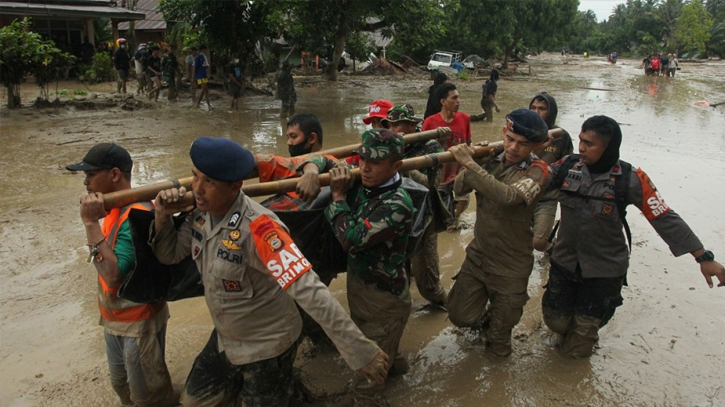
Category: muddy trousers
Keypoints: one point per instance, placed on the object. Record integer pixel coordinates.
(381, 317)
(138, 369)
(215, 382)
(488, 109)
(487, 302)
(424, 268)
(577, 307)
(288, 104)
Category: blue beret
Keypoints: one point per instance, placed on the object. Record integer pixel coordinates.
(221, 159)
(527, 123)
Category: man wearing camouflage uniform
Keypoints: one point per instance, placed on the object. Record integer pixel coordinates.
(491, 288)
(424, 266)
(169, 69)
(372, 220)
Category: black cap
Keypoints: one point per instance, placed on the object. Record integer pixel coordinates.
(527, 123)
(104, 156)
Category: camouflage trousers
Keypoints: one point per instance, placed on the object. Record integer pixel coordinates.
(489, 302)
(381, 316)
(171, 82)
(215, 381)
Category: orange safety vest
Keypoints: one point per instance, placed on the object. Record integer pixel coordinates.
(113, 307)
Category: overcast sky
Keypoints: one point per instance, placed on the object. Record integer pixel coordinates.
(602, 8)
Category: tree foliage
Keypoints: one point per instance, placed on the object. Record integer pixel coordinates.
(23, 53)
(693, 28)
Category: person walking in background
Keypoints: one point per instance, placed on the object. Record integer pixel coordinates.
(122, 63)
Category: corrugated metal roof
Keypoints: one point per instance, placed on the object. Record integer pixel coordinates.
(68, 10)
(154, 20)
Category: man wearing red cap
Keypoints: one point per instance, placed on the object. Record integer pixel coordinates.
(377, 111)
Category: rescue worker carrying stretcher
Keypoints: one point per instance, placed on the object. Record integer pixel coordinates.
(253, 273)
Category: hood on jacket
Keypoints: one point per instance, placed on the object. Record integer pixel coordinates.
(553, 110)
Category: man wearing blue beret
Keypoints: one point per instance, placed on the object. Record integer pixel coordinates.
(252, 273)
(490, 289)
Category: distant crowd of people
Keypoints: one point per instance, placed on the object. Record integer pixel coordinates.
(660, 64)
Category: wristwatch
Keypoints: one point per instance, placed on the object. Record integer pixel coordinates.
(706, 256)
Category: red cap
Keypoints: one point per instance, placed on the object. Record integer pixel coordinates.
(378, 108)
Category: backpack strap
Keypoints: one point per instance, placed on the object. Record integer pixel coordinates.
(621, 195)
(566, 165)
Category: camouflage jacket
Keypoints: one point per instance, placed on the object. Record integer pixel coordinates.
(373, 228)
(169, 66)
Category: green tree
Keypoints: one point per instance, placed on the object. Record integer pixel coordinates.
(692, 31)
(324, 27)
(22, 53)
(359, 46)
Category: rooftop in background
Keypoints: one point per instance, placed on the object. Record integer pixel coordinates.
(77, 8)
(154, 20)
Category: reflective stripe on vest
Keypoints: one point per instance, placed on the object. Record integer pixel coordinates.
(113, 307)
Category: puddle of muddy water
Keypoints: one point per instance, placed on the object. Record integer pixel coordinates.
(661, 349)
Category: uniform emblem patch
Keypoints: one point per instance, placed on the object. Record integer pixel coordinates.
(230, 245)
(197, 249)
(231, 285)
(234, 235)
(274, 242)
(234, 220)
(607, 209)
(565, 184)
(199, 222)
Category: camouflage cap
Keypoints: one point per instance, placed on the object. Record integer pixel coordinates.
(402, 113)
(379, 144)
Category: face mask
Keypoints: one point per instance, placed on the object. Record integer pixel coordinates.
(123, 46)
(299, 149)
(236, 61)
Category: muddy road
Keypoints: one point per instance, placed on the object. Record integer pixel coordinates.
(664, 346)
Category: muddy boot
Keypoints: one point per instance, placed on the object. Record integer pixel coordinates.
(124, 393)
(500, 349)
(582, 337)
(400, 365)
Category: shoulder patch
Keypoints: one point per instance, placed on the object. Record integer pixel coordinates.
(653, 205)
(278, 252)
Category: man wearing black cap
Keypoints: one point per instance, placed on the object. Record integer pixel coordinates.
(372, 221)
(590, 259)
(490, 290)
(253, 273)
(560, 146)
(135, 334)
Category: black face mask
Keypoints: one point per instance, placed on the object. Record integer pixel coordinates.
(299, 149)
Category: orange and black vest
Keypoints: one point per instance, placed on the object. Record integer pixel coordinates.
(113, 307)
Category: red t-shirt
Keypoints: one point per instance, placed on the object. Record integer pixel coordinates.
(460, 133)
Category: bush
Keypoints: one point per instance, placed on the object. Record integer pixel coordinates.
(100, 70)
(463, 75)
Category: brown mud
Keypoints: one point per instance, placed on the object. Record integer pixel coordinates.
(663, 347)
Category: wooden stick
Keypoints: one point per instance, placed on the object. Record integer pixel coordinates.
(414, 163)
(148, 192)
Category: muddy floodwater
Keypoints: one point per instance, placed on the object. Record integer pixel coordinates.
(664, 347)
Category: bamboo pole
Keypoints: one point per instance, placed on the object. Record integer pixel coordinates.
(148, 192)
(414, 163)
(288, 185)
